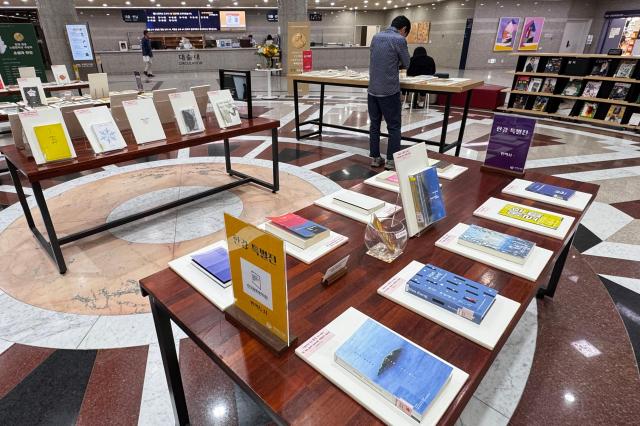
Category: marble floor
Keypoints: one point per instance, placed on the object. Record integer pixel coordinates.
(81, 348)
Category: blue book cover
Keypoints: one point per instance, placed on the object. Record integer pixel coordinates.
(551, 190)
(214, 263)
(498, 244)
(405, 374)
(467, 298)
(430, 206)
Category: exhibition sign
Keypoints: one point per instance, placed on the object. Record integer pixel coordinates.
(19, 48)
(509, 143)
(298, 41)
(81, 47)
(506, 35)
(531, 33)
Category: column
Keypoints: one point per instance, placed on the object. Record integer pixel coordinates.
(289, 11)
(53, 16)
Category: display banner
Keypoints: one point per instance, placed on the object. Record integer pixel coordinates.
(19, 48)
(506, 35)
(509, 142)
(307, 60)
(531, 34)
(298, 41)
(258, 273)
(81, 48)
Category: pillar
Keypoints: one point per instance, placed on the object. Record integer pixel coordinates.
(53, 16)
(289, 11)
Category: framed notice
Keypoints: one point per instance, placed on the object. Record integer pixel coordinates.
(531, 33)
(18, 49)
(506, 35)
(298, 41)
(509, 143)
(419, 33)
(79, 42)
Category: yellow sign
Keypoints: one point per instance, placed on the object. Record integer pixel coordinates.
(259, 275)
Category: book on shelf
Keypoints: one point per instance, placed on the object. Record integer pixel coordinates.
(214, 264)
(620, 91)
(551, 190)
(565, 107)
(591, 89)
(406, 375)
(357, 202)
(497, 244)
(427, 197)
(625, 69)
(519, 102)
(634, 120)
(463, 297)
(224, 108)
(573, 88)
(553, 65)
(549, 85)
(531, 64)
(108, 136)
(535, 84)
(532, 216)
(540, 103)
(601, 67)
(615, 114)
(589, 110)
(522, 83)
(296, 230)
(53, 142)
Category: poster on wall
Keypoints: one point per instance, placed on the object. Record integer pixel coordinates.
(419, 33)
(531, 33)
(19, 48)
(506, 36)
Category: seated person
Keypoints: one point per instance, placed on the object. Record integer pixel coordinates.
(421, 64)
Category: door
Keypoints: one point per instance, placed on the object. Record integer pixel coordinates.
(575, 36)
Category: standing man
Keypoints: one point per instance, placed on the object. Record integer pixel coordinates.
(147, 53)
(389, 52)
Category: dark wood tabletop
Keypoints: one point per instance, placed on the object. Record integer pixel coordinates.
(290, 388)
(87, 159)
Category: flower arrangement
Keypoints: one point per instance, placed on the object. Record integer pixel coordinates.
(268, 51)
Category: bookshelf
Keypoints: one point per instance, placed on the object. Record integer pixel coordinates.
(596, 89)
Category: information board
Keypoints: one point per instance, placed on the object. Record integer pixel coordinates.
(134, 15)
(209, 20)
(19, 48)
(232, 20)
(173, 20)
(79, 42)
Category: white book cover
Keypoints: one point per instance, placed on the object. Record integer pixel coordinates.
(408, 162)
(27, 72)
(144, 121)
(329, 203)
(31, 119)
(31, 89)
(100, 129)
(186, 112)
(60, 74)
(224, 108)
(358, 201)
(98, 85)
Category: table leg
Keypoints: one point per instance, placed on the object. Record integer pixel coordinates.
(269, 84)
(321, 112)
(53, 246)
(275, 160)
(170, 362)
(463, 123)
(227, 155)
(556, 273)
(20, 193)
(80, 91)
(445, 123)
(296, 110)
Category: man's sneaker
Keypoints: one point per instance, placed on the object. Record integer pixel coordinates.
(389, 165)
(377, 162)
(150, 75)
(145, 73)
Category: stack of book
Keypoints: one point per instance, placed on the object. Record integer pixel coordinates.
(463, 297)
(214, 264)
(296, 230)
(356, 202)
(504, 246)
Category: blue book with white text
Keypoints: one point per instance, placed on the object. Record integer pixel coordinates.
(406, 375)
(551, 190)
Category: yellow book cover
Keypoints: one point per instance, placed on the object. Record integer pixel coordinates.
(531, 216)
(53, 142)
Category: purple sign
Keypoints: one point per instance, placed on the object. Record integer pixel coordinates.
(509, 142)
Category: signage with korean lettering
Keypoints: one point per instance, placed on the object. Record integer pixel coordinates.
(258, 273)
(509, 142)
(19, 48)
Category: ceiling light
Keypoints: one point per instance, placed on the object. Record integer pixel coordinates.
(384, 8)
(377, 4)
(158, 5)
(104, 5)
(183, 3)
(356, 8)
(90, 1)
(108, 14)
(128, 3)
(366, 1)
(266, 1)
(408, 4)
(5, 2)
(210, 1)
(333, 4)
(152, 1)
(235, 3)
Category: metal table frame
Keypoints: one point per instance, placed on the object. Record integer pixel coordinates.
(441, 144)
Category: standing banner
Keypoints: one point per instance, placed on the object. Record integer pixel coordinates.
(81, 47)
(509, 143)
(298, 41)
(19, 48)
(506, 35)
(531, 34)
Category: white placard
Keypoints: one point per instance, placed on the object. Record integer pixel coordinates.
(144, 121)
(490, 208)
(408, 162)
(31, 119)
(60, 74)
(337, 267)
(577, 202)
(90, 118)
(486, 334)
(98, 85)
(319, 352)
(186, 112)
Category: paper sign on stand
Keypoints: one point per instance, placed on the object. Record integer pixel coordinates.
(60, 74)
(259, 276)
(408, 162)
(509, 143)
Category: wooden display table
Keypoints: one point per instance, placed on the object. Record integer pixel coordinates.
(446, 91)
(288, 388)
(78, 85)
(20, 164)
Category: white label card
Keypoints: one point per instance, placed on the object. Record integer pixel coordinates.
(342, 263)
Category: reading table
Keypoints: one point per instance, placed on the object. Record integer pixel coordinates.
(78, 85)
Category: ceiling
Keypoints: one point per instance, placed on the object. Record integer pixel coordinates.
(249, 4)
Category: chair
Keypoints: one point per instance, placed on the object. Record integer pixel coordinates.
(163, 106)
(202, 98)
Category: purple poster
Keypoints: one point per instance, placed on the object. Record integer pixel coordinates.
(509, 142)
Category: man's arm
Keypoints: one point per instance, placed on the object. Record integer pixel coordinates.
(403, 53)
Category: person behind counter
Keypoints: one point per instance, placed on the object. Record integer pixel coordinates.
(421, 64)
(269, 39)
(388, 52)
(147, 53)
(251, 40)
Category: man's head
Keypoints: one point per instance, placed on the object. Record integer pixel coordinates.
(145, 33)
(402, 24)
(250, 36)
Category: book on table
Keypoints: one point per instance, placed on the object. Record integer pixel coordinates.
(389, 177)
(531, 216)
(144, 120)
(357, 202)
(53, 142)
(427, 197)
(224, 108)
(32, 96)
(551, 190)
(497, 244)
(108, 136)
(406, 375)
(296, 230)
(463, 297)
(214, 264)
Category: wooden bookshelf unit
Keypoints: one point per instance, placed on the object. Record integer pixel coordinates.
(595, 89)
